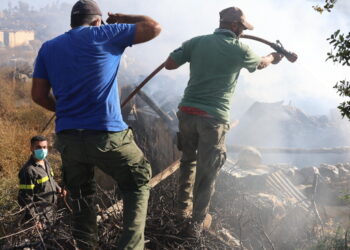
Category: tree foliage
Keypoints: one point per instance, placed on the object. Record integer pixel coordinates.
(340, 54)
(341, 48)
(328, 5)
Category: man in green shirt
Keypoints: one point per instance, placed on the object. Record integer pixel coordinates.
(215, 63)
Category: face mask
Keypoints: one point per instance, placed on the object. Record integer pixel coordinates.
(40, 154)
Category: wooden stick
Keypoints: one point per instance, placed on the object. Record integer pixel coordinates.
(48, 123)
(143, 83)
(22, 231)
(164, 174)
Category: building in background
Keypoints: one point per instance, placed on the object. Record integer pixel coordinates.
(16, 38)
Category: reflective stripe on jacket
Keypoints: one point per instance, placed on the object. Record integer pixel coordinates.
(36, 184)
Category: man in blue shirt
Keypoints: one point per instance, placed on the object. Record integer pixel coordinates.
(80, 66)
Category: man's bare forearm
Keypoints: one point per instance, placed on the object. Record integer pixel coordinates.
(48, 102)
(131, 19)
(146, 27)
(41, 94)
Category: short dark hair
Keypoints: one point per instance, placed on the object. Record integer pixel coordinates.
(80, 20)
(37, 138)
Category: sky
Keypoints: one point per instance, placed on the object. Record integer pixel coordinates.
(307, 83)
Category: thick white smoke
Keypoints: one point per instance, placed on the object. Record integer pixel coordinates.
(307, 83)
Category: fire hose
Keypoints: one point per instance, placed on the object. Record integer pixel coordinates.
(278, 47)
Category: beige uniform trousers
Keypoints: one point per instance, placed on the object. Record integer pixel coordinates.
(202, 142)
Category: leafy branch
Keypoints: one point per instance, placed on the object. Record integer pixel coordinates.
(341, 47)
(343, 89)
(341, 54)
(328, 6)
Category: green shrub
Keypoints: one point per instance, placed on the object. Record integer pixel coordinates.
(337, 241)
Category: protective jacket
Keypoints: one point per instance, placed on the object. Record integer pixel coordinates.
(37, 187)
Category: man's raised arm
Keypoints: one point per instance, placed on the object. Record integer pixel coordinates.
(273, 58)
(146, 27)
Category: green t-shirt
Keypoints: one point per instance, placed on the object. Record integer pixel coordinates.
(215, 62)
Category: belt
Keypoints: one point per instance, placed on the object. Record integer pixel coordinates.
(82, 132)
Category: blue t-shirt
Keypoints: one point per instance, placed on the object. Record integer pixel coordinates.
(81, 66)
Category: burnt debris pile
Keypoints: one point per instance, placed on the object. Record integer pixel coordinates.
(288, 126)
(279, 206)
(163, 231)
(286, 134)
(257, 204)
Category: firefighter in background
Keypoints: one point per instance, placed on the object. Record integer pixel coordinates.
(38, 191)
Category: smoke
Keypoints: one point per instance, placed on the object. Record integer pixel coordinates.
(307, 84)
(294, 23)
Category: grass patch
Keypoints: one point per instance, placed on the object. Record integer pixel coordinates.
(20, 119)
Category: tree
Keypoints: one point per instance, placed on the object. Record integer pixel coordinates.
(328, 5)
(340, 54)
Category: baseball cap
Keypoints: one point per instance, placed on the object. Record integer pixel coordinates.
(234, 14)
(86, 7)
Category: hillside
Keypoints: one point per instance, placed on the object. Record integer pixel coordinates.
(20, 119)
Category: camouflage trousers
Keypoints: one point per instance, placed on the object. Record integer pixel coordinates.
(202, 142)
(116, 154)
